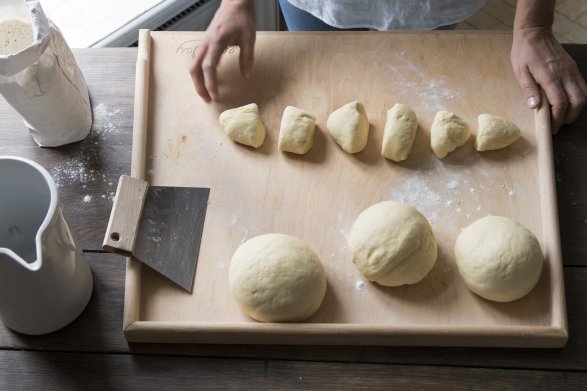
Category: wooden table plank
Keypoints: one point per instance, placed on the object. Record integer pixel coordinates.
(99, 329)
(26, 370)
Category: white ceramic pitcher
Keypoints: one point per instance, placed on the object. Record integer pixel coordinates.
(44, 281)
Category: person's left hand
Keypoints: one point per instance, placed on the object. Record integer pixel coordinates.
(538, 60)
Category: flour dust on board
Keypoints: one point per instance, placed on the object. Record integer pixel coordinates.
(39, 76)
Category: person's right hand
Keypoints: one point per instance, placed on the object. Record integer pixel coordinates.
(233, 24)
(539, 61)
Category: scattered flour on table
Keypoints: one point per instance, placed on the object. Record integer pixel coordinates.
(76, 168)
(360, 286)
(453, 184)
(107, 122)
(509, 188)
(416, 191)
(440, 201)
(234, 216)
(345, 229)
(434, 92)
(344, 232)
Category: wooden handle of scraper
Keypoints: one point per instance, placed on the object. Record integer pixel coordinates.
(126, 213)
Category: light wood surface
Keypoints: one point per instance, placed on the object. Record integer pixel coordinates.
(123, 226)
(317, 196)
(92, 352)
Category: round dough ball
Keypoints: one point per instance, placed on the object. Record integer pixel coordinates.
(498, 258)
(277, 278)
(392, 244)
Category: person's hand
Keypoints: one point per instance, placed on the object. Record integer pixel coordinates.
(233, 24)
(538, 60)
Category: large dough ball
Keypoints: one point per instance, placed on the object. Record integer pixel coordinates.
(349, 127)
(495, 132)
(243, 125)
(447, 133)
(498, 258)
(277, 278)
(392, 244)
(296, 134)
(399, 133)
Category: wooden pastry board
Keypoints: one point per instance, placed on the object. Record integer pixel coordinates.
(316, 197)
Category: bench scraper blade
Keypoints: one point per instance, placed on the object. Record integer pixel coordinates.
(170, 231)
(160, 226)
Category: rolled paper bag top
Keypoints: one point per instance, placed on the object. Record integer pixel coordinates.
(39, 76)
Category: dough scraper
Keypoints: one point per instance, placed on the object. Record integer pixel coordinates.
(160, 226)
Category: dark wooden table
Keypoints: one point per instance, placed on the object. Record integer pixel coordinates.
(92, 353)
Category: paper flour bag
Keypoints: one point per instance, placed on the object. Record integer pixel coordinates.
(39, 77)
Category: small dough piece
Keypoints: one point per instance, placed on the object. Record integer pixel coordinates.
(448, 132)
(399, 133)
(296, 134)
(349, 127)
(498, 258)
(277, 278)
(495, 132)
(243, 125)
(392, 244)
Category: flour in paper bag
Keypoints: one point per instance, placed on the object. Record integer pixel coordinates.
(15, 35)
(40, 79)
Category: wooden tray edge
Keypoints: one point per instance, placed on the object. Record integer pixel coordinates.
(550, 219)
(331, 334)
(553, 336)
(132, 292)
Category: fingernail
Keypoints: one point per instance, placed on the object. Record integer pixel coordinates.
(532, 102)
